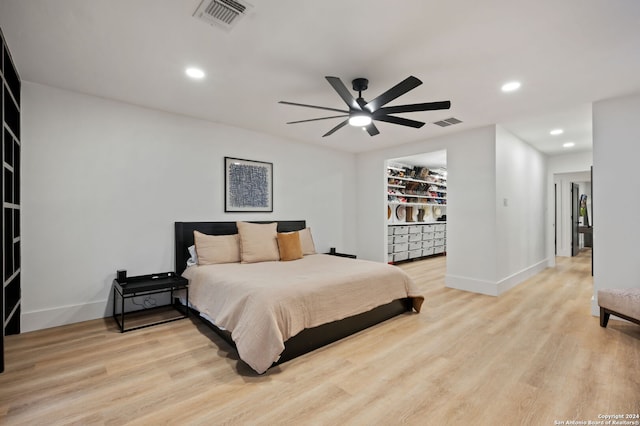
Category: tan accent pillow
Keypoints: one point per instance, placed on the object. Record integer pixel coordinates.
(289, 246)
(306, 241)
(258, 242)
(214, 249)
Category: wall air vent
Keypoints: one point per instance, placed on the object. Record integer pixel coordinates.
(224, 13)
(447, 122)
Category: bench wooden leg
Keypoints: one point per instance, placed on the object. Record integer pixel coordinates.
(604, 317)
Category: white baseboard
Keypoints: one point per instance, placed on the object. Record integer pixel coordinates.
(523, 275)
(494, 288)
(46, 318)
(471, 284)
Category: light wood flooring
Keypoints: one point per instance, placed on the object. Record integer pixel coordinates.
(532, 356)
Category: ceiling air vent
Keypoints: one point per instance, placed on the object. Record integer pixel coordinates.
(224, 13)
(447, 122)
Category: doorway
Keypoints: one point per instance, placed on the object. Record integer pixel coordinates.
(573, 213)
(416, 206)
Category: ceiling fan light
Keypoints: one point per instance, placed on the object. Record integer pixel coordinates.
(195, 73)
(511, 86)
(359, 120)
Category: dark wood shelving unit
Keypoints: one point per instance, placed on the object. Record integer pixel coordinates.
(10, 296)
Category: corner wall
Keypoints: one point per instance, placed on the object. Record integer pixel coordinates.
(521, 210)
(484, 253)
(103, 182)
(616, 148)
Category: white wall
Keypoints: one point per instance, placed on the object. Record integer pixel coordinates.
(471, 212)
(104, 181)
(520, 210)
(616, 149)
(475, 260)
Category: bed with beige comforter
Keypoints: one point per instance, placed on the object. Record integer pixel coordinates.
(264, 304)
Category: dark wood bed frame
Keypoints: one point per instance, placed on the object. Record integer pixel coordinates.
(308, 339)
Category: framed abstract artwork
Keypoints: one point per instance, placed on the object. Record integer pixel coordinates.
(248, 185)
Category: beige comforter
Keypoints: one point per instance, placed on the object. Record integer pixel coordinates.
(264, 304)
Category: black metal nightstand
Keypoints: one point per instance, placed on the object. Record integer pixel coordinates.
(335, 253)
(144, 285)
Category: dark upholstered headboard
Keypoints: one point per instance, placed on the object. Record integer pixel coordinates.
(184, 234)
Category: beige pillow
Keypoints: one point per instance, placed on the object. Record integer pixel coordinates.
(289, 246)
(306, 241)
(258, 242)
(214, 249)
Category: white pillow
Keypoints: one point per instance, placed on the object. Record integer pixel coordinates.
(306, 241)
(193, 259)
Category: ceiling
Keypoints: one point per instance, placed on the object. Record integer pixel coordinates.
(566, 54)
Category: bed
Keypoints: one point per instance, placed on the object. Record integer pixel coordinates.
(267, 289)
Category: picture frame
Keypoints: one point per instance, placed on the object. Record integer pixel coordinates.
(248, 185)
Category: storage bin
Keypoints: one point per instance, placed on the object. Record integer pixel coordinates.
(415, 246)
(400, 230)
(427, 244)
(400, 248)
(400, 239)
(400, 256)
(415, 237)
(415, 253)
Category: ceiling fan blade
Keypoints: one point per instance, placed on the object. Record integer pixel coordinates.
(313, 106)
(317, 119)
(429, 106)
(339, 126)
(372, 129)
(399, 89)
(401, 121)
(344, 93)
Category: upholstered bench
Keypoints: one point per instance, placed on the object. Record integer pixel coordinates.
(621, 302)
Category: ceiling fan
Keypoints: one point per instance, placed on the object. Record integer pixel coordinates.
(362, 113)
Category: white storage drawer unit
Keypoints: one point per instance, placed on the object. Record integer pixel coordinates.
(415, 241)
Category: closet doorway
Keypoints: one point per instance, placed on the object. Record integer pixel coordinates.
(416, 206)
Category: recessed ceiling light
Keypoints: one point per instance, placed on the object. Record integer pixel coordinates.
(556, 132)
(511, 86)
(568, 144)
(195, 73)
